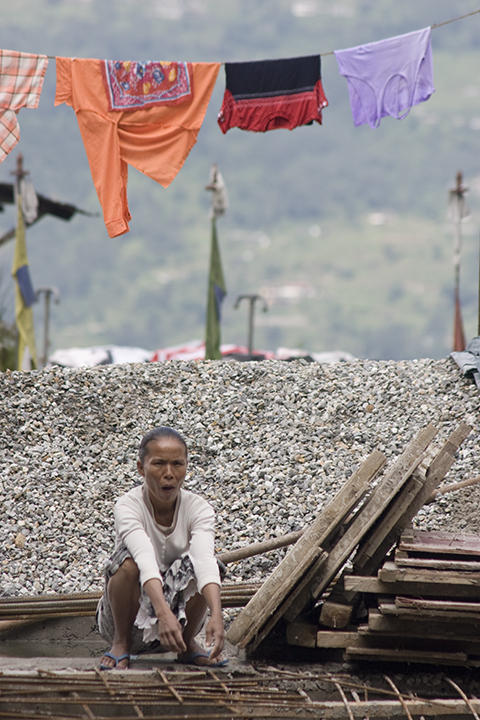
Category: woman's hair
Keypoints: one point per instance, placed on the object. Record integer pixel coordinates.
(159, 432)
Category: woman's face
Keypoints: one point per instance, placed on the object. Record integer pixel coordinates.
(164, 468)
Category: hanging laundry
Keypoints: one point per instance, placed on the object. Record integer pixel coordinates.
(145, 84)
(268, 94)
(21, 83)
(388, 77)
(147, 115)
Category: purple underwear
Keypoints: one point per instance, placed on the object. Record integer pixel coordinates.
(388, 77)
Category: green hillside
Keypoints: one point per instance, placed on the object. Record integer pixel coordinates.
(344, 230)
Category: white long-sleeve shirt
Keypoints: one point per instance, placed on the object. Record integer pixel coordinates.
(154, 548)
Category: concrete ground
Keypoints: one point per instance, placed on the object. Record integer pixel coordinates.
(75, 644)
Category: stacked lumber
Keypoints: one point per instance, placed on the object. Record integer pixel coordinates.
(359, 530)
(426, 603)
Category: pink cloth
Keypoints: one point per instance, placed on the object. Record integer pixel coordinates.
(21, 83)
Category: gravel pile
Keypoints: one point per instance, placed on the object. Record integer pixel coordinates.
(270, 444)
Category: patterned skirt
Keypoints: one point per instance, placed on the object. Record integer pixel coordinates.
(179, 585)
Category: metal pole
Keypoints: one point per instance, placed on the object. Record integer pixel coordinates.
(458, 211)
(46, 328)
(252, 299)
(251, 310)
(478, 312)
(47, 292)
(457, 195)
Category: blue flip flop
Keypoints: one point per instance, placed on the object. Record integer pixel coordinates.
(117, 659)
(189, 659)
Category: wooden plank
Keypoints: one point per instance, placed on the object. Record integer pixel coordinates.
(376, 534)
(415, 641)
(371, 552)
(390, 572)
(422, 604)
(337, 638)
(373, 585)
(392, 609)
(405, 641)
(294, 564)
(411, 656)
(302, 634)
(370, 557)
(388, 528)
(436, 564)
(424, 626)
(287, 603)
(264, 602)
(384, 492)
(440, 543)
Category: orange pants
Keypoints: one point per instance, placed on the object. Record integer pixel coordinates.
(155, 140)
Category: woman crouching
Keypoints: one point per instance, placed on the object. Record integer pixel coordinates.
(163, 577)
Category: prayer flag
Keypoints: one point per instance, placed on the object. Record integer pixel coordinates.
(216, 293)
(24, 293)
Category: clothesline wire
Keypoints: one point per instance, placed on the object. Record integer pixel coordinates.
(460, 17)
(433, 27)
(331, 52)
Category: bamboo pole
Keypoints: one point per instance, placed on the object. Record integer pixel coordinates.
(450, 488)
(259, 548)
(291, 538)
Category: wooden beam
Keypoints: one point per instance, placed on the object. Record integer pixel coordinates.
(373, 585)
(390, 573)
(422, 604)
(371, 552)
(335, 614)
(384, 492)
(337, 638)
(302, 554)
(424, 626)
(388, 608)
(440, 543)
(387, 530)
(288, 602)
(263, 604)
(435, 564)
(424, 480)
(411, 656)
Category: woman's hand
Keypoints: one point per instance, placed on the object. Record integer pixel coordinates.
(214, 630)
(170, 631)
(215, 635)
(169, 628)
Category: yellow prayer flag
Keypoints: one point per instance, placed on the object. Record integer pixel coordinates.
(24, 293)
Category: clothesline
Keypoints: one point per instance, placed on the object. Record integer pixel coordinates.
(170, 100)
(331, 52)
